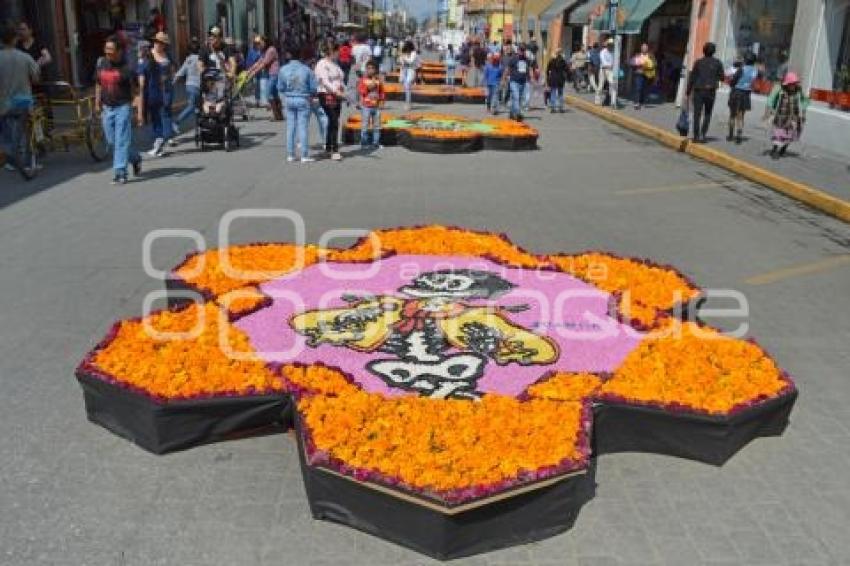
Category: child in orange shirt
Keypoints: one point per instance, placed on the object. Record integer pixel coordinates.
(372, 98)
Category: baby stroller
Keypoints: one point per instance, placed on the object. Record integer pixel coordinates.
(214, 124)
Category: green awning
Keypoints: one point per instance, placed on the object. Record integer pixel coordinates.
(632, 15)
(581, 15)
(556, 8)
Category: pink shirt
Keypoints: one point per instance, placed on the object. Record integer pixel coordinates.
(329, 76)
(270, 61)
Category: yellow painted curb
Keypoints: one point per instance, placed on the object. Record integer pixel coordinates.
(800, 191)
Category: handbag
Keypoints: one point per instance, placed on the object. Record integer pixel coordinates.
(683, 124)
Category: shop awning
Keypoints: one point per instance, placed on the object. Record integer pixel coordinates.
(631, 15)
(581, 15)
(556, 8)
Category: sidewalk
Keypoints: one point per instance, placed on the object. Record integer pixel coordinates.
(805, 163)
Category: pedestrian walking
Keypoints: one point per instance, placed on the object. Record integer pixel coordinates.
(409, 67)
(645, 69)
(740, 98)
(478, 58)
(605, 81)
(191, 74)
(297, 84)
(578, 63)
(378, 52)
(156, 81)
(593, 67)
(29, 44)
(492, 80)
(267, 68)
(788, 107)
(371, 101)
(706, 76)
(331, 88)
(260, 88)
(518, 70)
(17, 73)
(451, 63)
(556, 78)
(117, 100)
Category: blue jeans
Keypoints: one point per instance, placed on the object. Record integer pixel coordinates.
(365, 115)
(160, 117)
(11, 130)
(321, 118)
(118, 130)
(639, 95)
(192, 94)
(493, 97)
(297, 121)
(556, 98)
(450, 75)
(517, 98)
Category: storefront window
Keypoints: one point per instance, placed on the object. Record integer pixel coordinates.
(763, 27)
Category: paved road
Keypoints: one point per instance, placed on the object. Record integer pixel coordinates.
(71, 263)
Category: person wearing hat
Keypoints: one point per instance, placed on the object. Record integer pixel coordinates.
(217, 54)
(788, 107)
(156, 80)
(606, 73)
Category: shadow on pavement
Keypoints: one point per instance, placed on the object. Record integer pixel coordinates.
(151, 174)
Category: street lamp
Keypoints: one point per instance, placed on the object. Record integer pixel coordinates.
(613, 5)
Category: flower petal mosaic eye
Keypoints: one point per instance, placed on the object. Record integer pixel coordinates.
(448, 390)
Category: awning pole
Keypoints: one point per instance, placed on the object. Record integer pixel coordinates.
(615, 71)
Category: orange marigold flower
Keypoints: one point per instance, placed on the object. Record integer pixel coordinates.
(566, 387)
(148, 355)
(443, 445)
(698, 368)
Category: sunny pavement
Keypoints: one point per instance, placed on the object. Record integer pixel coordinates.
(71, 257)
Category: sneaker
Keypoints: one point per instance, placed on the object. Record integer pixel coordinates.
(377, 146)
(290, 158)
(156, 150)
(176, 129)
(336, 156)
(137, 166)
(307, 160)
(119, 180)
(10, 167)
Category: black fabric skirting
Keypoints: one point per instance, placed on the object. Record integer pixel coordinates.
(740, 101)
(166, 427)
(510, 144)
(520, 519)
(433, 145)
(705, 438)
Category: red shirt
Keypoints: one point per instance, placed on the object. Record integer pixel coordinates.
(345, 54)
(371, 92)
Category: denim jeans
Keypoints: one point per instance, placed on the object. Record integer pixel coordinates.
(518, 91)
(192, 94)
(321, 118)
(556, 98)
(365, 115)
(263, 84)
(11, 130)
(118, 130)
(450, 75)
(408, 92)
(639, 95)
(160, 117)
(493, 97)
(297, 122)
